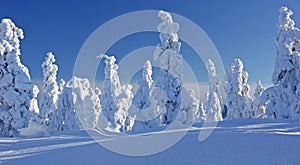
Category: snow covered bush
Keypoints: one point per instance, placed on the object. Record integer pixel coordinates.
(258, 109)
(238, 100)
(214, 110)
(49, 94)
(282, 99)
(116, 99)
(15, 83)
(169, 80)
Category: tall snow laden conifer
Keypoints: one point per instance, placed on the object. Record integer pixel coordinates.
(214, 111)
(167, 87)
(283, 99)
(15, 84)
(49, 96)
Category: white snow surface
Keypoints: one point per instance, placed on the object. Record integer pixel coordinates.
(244, 141)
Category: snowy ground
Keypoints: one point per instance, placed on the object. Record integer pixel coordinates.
(255, 141)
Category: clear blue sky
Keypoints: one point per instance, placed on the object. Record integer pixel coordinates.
(243, 29)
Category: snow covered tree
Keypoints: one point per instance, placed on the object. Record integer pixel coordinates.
(238, 100)
(207, 102)
(78, 106)
(63, 117)
(141, 99)
(295, 114)
(273, 98)
(214, 110)
(34, 108)
(33, 102)
(201, 116)
(86, 104)
(115, 98)
(284, 40)
(49, 95)
(66, 107)
(63, 105)
(189, 107)
(167, 87)
(61, 86)
(286, 75)
(258, 109)
(15, 84)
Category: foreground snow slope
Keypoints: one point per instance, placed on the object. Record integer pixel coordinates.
(256, 141)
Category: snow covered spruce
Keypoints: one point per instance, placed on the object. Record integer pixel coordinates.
(167, 89)
(142, 107)
(214, 111)
(282, 99)
(141, 99)
(15, 84)
(115, 99)
(86, 104)
(238, 100)
(258, 109)
(50, 89)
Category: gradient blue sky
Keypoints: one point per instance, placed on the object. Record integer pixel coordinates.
(243, 29)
